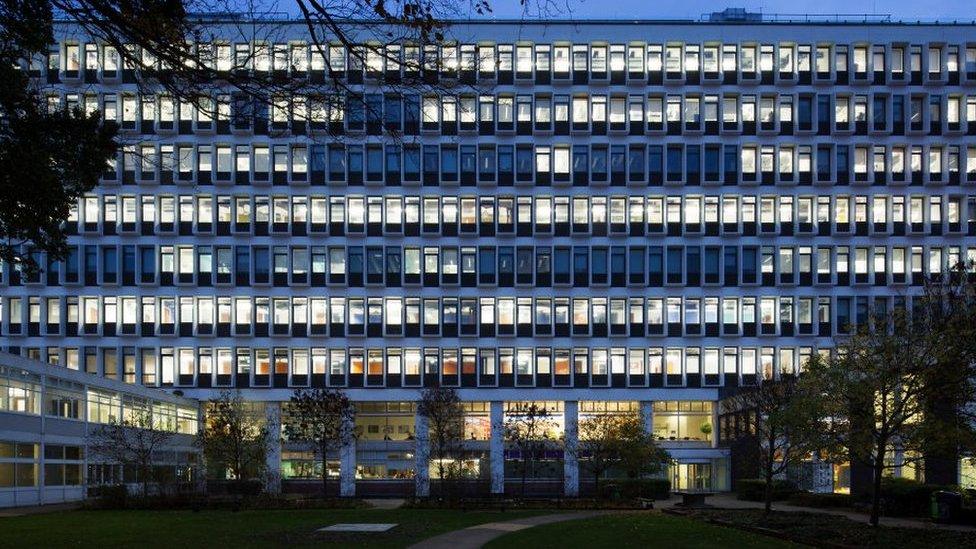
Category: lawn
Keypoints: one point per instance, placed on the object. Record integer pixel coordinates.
(634, 530)
(841, 530)
(186, 529)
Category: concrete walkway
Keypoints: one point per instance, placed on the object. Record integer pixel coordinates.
(476, 536)
(729, 501)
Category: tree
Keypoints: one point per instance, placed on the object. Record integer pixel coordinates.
(233, 437)
(63, 153)
(945, 313)
(639, 454)
(872, 390)
(784, 422)
(134, 442)
(441, 406)
(600, 443)
(323, 419)
(905, 382)
(610, 441)
(48, 158)
(527, 430)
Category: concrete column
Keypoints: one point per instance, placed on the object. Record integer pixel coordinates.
(199, 465)
(272, 463)
(899, 469)
(570, 461)
(647, 414)
(496, 447)
(714, 435)
(347, 466)
(422, 457)
(821, 475)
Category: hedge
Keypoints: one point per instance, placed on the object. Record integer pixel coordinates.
(652, 488)
(753, 489)
(903, 497)
(822, 501)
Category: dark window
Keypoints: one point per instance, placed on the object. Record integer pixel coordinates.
(694, 162)
(674, 162)
(147, 261)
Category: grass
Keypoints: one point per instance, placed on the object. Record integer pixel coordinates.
(840, 530)
(634, 530)
(187, 529)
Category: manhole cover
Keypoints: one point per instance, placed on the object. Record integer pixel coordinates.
(357, 527)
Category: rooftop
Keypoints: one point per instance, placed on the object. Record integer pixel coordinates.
(728, 16)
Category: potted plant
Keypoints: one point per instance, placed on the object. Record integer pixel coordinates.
(706, 429)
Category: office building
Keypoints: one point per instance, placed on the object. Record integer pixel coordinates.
(602, 216)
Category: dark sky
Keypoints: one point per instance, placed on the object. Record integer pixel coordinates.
(908, 10)
(904, 10)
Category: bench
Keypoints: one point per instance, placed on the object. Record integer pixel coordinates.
(693, 500)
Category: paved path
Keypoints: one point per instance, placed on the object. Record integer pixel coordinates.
(729, 501)
(476, 536)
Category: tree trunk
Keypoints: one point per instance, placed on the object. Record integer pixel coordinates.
(768, 465)
(876, 488)
(324, 452)
(596, 484)
(440, 477)
(325, 479)
(239, 473)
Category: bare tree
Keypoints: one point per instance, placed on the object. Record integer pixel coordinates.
(323, 419)
(233, 437)
(133, 442)
(182, 49)
(527, 431)
(442, 408)
(784, 422)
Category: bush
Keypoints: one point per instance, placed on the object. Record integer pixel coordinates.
(821, 501)
(113, 499)
(115, 496)
(652, 488)
(903, 497)
(245, 488)
(753, 489)
(967, 515)
(633, 488)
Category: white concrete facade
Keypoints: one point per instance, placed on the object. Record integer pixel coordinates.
(648, 212)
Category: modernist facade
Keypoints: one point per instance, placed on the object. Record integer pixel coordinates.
(597, 215)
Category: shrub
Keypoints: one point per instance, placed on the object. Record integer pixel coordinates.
(246, 488)
(967, 515)
(653, 488)
(752, 489)
(822, 501)
(115, 496)
(112, 498)
(633, 488)
(903, 497)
